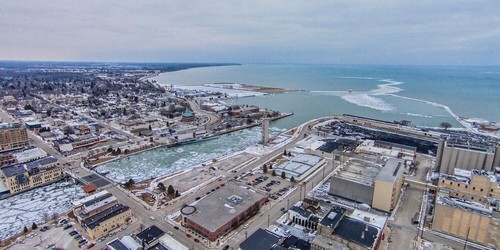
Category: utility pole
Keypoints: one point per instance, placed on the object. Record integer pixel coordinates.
(466, 238)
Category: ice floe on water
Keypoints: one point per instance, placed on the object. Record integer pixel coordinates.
(369, 98)
(36, 206)
(161, 161)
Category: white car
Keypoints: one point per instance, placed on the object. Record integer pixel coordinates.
(152, 218)
(245, 226)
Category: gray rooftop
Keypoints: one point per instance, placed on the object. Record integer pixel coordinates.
(95, 220)
(391, 170)
(360, 171)
(21, 168)
(217, 209)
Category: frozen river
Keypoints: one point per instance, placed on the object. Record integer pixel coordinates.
(35, 206)
(164, 160)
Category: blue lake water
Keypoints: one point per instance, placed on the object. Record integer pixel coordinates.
(372, 91)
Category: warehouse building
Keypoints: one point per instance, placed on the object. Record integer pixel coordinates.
(300, 166)
(221, 211)
(369, 183)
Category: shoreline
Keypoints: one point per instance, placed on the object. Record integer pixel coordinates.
(174, 145)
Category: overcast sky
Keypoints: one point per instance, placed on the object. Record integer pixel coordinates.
(341, 32)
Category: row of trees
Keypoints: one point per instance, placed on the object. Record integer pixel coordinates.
(283, 175)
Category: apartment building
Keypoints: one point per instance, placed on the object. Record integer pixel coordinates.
(22, 177)
(12, 137)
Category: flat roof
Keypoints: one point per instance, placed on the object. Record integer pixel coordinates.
(90, 198)
(150, 234)
(222, 205)
(29, 154)
(15, 170)
(391, 170)
(299, 164)
(357, 232)
(307, 159)
(333, 217)
(93, 206)
(360, 171)
(171, 243)
(369, 218)
(117, 245)
(463, 204)
(324, 241)
(94, 221)
(259, 240)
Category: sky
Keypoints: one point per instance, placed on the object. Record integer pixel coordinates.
(423, 32)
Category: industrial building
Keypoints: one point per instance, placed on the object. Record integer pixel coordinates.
(22, 177)
(464, 155)
(388, 185)
(300, 166)
(12, 137)
(467, 206)
(369, 183)
(221, 211)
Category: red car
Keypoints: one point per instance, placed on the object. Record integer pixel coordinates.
(188, 235)
(89, 246)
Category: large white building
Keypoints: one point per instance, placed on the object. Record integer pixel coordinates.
(300, 166)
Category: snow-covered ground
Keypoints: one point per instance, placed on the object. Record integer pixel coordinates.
(35, 206)
(214, 88)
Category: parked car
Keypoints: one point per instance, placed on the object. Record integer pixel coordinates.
(152, 218)
(196, 240)
(245, 226)
(73, 232)
(176, 228)
(188, 235)
(89, 246)
(67, 226)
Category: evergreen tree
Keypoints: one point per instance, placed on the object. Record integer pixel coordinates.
(170, 190)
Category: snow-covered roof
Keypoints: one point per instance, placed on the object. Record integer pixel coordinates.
(369, 218)
(169, 242)
(90, 198)
(30, 154)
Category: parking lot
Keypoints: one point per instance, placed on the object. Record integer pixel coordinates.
(54, 237)
(273, 185)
